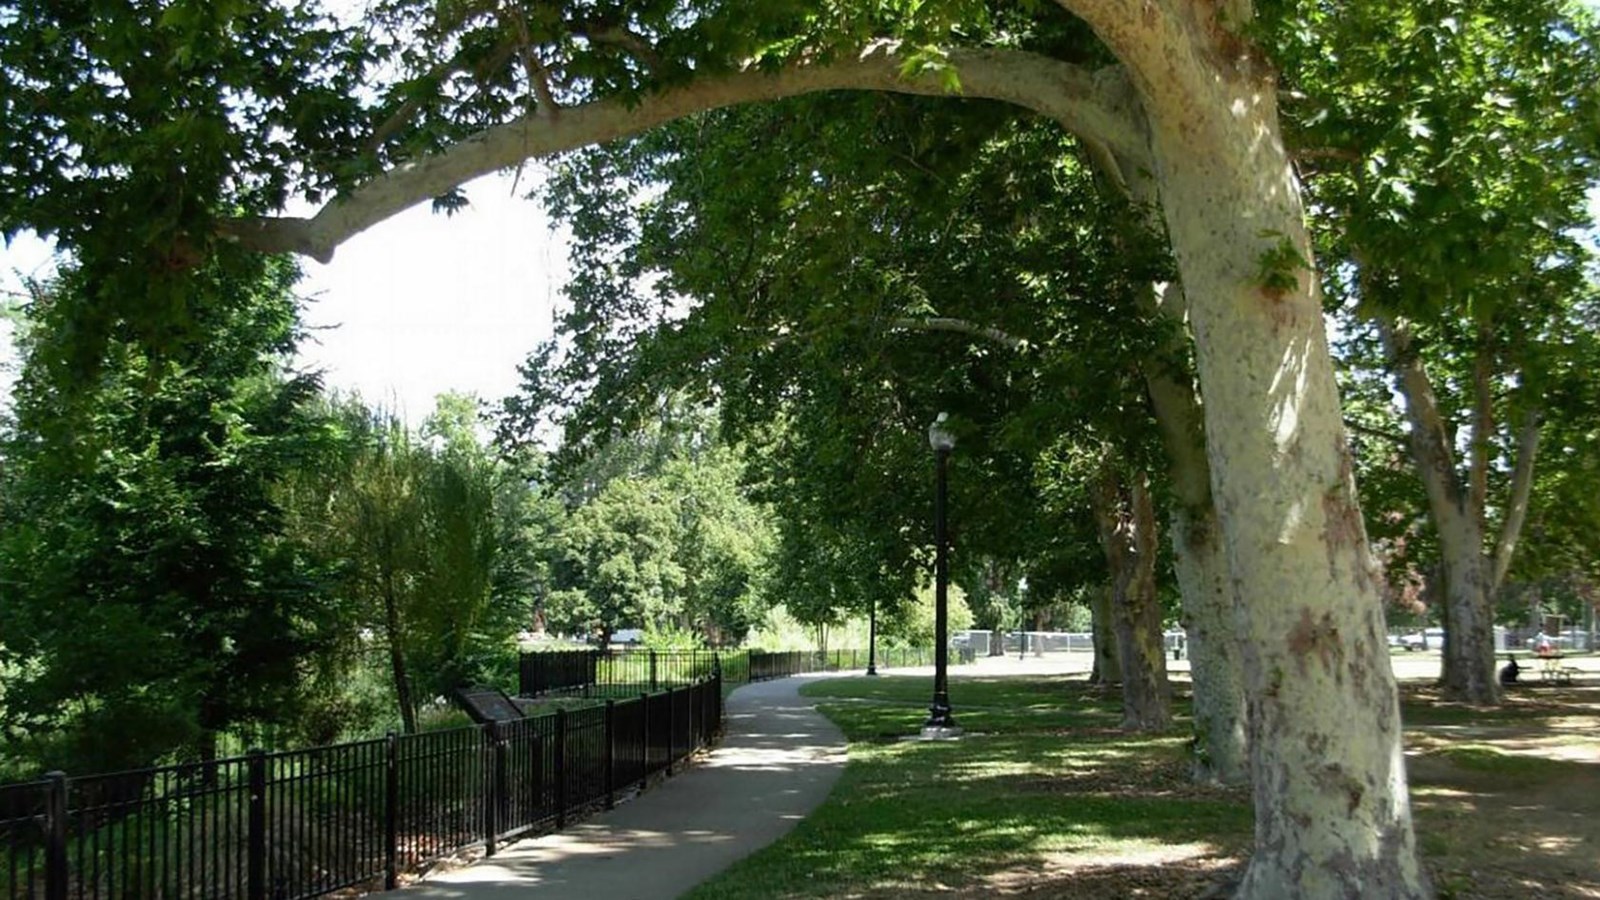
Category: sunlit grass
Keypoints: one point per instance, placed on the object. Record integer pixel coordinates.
(1040, 775)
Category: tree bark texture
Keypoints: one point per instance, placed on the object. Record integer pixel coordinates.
(1222, 750)
(1468, 670)
(1210, 607)
(1333, 818)
(1107, 656)
(397, 658)
(1127, 522)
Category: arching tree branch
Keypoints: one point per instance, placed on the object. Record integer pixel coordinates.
(960, 326)
(1095, 105)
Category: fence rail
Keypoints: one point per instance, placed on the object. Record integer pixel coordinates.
(624, 672)
(305, 823)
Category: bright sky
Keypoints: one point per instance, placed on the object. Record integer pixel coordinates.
(419, 305)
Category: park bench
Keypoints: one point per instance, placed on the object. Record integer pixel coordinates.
(1551, 669)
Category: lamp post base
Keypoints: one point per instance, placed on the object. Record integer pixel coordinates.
(940, 720)
(940, 732)
(872, 670)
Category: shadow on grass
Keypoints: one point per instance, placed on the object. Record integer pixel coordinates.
(1047, 795)
(1496, 824)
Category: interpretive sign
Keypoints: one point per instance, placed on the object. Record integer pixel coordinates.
(486, 704)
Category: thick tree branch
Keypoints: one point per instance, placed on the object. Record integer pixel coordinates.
(1517, 507)
(1430, 440)
(1092, 104)
(1482, 431)
(960, 326)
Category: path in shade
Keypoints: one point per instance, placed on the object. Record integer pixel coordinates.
(777, 762)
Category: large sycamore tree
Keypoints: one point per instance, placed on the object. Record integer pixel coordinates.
(142, 134)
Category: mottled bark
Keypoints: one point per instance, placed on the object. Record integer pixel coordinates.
(1468, 669)
(1221, 751)
(1127, 523)
(1107, 668)
(1332, 815)
(1210, 606)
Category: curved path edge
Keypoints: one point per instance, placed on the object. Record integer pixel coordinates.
(778, 760)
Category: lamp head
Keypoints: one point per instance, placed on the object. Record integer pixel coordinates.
(939, 438)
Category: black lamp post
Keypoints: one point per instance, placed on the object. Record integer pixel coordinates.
(939, 719)
(872, 637)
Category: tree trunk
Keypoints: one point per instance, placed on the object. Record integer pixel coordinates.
(1210, 607)
(397, 658)
(1107, 668)
(1127, 523)
(1468, 664)
(1516, 509)
(1333, 819)
(1222, 754)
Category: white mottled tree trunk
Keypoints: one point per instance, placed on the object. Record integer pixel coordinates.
(1210, 608)
(1468, 670)
(1222, 752)
(1333, 818)
(1127, 524)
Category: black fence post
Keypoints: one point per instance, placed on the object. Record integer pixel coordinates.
(644, 739)
(560, 766)
(256, 825)
(55, 854)
(391, 813)
(611, 754)
(495, 803)
(536, 778)
(672, 729)
(652, 670)
(716, 704)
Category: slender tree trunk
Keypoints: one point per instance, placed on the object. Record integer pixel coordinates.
(1468, 670)
(1517, 507)
(397, 657)
(1210, 606)
(1222, 753)
(1107, 668)
(1127, 523)
(1332, 814)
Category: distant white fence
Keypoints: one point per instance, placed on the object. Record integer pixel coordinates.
(1040, 643)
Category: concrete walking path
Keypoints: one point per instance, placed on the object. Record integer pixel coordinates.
(778, 761)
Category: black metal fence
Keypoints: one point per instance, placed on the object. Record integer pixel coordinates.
(615, 672)
(305, 823)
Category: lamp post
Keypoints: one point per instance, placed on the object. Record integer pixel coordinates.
(872, 637)
(940, 723)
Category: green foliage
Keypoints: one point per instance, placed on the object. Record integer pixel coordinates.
(842, 292)
(152, 590)
(1280, 266)
(421, 527)
(912, 624)
(127, 130)
(660, 535)
(1449, 152)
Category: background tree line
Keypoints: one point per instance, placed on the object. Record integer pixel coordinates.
(201, 549)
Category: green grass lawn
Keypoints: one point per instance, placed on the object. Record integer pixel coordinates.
(1044, 796)
(1041, 780)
